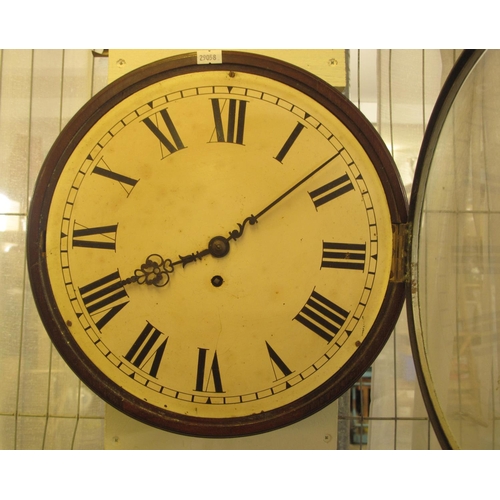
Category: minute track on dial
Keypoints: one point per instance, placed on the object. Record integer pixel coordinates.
(156, 270)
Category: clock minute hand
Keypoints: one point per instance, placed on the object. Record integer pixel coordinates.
(293, 188)
(156, 270)
(253, 219)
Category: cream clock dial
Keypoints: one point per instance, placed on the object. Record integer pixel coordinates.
(211, 246)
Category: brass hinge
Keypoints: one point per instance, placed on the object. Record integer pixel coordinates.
(401, 237)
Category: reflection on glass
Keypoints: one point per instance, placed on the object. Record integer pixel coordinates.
(459, 262)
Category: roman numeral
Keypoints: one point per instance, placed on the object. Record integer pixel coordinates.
(289, 142)
(127, 183)
(344, 255)
(322, 316)
(162, 125)
(331, 190)
(229, 118)
(104, 298)
(211, 381)
(103, 237)
(147, 351)
(278, 365)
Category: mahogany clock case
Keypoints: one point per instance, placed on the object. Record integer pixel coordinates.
(60, 330)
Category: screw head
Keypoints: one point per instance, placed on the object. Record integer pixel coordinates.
(217, 281)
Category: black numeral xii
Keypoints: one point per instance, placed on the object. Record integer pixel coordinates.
(229, 118)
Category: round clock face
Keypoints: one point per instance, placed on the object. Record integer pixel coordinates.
(211, 247)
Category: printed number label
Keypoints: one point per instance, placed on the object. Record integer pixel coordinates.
(209, 57)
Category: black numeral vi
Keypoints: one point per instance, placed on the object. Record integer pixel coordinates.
(213, 378)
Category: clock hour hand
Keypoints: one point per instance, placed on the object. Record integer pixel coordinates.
(157, 270)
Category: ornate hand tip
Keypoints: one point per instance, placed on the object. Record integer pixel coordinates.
(155, 271)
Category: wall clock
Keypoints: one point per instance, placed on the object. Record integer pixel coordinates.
(214, 249)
